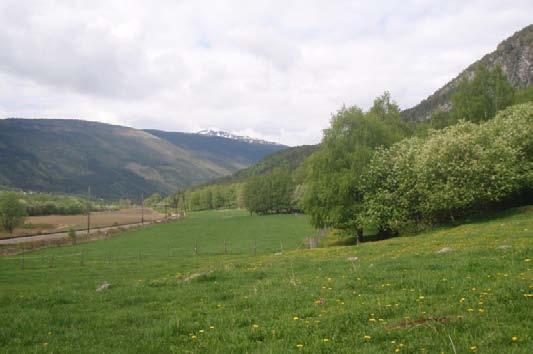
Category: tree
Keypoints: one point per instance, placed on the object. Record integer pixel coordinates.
(270, 193)
(333, 195)
(12, 211)
(479, 99)
(441, 119)
(153, 200)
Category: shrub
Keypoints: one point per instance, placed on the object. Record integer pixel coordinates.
(72, 235)
(453, 171)
(12, 211)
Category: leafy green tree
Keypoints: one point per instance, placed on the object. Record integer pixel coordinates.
(524, 95)
(479, 99)
(12, 211)
(333, 194)
(385, 108)
(270, 193)
(441, 119)
(254, 200)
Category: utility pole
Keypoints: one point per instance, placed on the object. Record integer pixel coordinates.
(88, 210)
(142, 208)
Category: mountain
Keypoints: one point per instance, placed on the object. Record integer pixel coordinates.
(222, 134)
(62, 155)
(231, 153)
(514, 55)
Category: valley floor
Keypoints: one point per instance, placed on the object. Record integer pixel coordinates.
(224, 282)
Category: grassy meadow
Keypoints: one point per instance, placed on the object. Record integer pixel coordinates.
(396, 295)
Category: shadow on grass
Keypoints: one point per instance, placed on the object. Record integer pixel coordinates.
(481, 217)
(352, 240)
(475, 218)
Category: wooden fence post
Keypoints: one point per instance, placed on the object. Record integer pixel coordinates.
(225, 247)
(195, 247)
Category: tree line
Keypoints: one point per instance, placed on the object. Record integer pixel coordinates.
(374, 172)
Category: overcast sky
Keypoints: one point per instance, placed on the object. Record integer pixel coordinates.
(268, 69)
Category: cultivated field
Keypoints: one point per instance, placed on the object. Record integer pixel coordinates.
(56, 223)
(454, 290)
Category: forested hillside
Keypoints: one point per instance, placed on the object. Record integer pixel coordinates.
(515, 57)
(117, 162)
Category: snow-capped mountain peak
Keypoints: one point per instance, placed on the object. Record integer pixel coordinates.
(223, 134)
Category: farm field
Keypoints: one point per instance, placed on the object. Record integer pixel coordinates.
(56, 223)
(454, 290)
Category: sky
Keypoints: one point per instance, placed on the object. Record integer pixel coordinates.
(275, 70)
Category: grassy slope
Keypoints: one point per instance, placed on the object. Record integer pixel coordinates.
(315, 299)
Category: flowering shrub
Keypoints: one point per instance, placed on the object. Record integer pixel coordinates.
(455, 170)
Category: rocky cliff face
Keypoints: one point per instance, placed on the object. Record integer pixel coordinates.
(514, 55)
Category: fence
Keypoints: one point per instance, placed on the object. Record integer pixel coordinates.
(26, 259)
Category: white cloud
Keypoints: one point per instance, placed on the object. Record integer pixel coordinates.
(273, 69)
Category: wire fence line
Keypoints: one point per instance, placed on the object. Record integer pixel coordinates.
(27, 260)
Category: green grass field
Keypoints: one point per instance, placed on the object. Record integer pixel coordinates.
(399, 295)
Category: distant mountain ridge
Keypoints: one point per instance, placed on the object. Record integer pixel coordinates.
(64, 155)
(223, 134)
(514, 55)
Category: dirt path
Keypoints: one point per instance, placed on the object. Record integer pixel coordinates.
(64, 234)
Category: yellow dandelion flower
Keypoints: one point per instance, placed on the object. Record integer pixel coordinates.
(326, 340)
(367, 338)
(299, 345)
(515, 338)
(255, 326)
(372, 320)
(193, 337)
(473, 348)
(295, 318)
(397, 350)
(420, 297)
(470, 310)
(211, 327)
